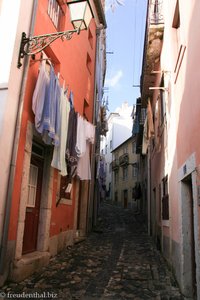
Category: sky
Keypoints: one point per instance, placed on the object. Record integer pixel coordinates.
(125, 38)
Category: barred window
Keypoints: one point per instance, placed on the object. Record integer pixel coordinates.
(32, 186)
(55, 13)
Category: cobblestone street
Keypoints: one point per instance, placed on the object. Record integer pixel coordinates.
(117, 261)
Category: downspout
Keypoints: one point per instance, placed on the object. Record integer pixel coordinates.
(149, 189)
(4, 241)
(102, 25)
(93, 155)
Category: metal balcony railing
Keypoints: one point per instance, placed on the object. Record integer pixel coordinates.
(115, 164)
(124, 159)
(156, 12)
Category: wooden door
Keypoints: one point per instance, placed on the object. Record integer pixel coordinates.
(125, 198)
(33, 205)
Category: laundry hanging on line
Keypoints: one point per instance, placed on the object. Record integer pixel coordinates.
(59, 125)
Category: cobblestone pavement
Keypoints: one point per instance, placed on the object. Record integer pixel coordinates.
(116, 262)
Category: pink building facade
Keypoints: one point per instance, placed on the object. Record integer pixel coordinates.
(170, 136)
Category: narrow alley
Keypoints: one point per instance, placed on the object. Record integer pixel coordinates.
(117, 261)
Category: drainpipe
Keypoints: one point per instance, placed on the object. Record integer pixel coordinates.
(149, 190)
(93, 155)
(4, 241)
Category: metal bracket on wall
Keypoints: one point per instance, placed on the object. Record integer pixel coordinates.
(35, 44)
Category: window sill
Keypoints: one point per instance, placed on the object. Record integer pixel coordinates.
(165, 223)
(66, 201)
(4, 86)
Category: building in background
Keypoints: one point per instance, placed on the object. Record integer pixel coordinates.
(119, 129)
(12, 80)
(170, 136)
(42, 211)
(126, 190)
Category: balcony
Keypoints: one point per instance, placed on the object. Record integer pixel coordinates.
(124, 159)
(115, 164)
(155, 14)
(152, 47)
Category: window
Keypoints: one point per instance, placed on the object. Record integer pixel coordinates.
(134, 147)
(134, 170)
(116, 196)
(165, 199)
(110, 167)
(32, 186)
(133, 193)
(65, 187)
(111, 144)
(159, 204)
(116, 155)
(176, 23)
(55, 13)
(125, 173)
(38, 150)
(85, 109)
(125, 149)
(106, 150)
(180, 47)
(89, 63)
(142, 115)
(116, 176)
(176, 19)
(90, 37)
(162, 101)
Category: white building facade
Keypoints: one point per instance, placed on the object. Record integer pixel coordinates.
(119, 129)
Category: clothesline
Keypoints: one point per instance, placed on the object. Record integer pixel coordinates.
(49, 61)
(61, 126)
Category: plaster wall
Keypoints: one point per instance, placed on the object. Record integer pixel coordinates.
(12, 23)
(79, 78)
(119, 129)
(182, 114)
(129, 183)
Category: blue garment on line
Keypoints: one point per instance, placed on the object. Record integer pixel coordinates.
(51, 114)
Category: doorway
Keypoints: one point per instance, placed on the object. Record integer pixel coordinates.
(125, 198)
(33, 200)
(189, 261)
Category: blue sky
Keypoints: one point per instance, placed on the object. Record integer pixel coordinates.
(125, 38)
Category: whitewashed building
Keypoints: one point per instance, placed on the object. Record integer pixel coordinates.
(119, 129)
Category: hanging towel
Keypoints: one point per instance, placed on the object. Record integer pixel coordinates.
(51, 121)
(83, 167)
(80, 136)
(59, 161)
(71, 154)
(38, 98)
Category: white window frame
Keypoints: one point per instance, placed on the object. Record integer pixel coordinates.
(32, 187)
